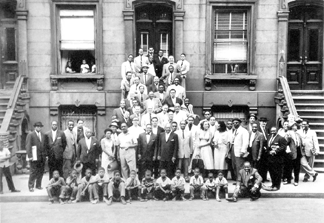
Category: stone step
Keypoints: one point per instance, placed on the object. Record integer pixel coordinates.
(309, 106)
(319, 169)
(318, 163)
(3, 106)
(315, 126)
(313, 118)
(310, 112)
(320, 133)
(308, 99)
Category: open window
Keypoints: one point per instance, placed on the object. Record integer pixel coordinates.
(231, 41)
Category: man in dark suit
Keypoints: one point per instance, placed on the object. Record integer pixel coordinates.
(171, 100)
(36, 154)
(168, 150)
(122, 114)
(275, 151)
(55, 142)
(262, 165)
(88, 152)
(256, 144)
(147, 148)
(145, 77)
(155, 86)
(159, 60)
(156, 130)
(248, 183)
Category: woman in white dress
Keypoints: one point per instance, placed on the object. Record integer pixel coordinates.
(108, 151)
(221, 144)
(206, 154)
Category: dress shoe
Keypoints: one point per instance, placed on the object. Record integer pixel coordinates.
(295, 184)
(234, 183)
(305, 180)
(39, 188)
(254, 198)
(31, 189)
(275, 189)
(315, 176)
(231, 199)
(15, 191)
(287, 182)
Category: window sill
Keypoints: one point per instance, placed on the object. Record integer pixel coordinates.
(55, 78)
(239, 77)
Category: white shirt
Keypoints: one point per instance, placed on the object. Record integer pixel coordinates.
(88, 142)
(154, 130)
(54, 134)
(174, 101)
(4, 153)
(85, 68)
(164, 183)
(148, 137)
(167, 136)
(252, 138)
(135, 131)
(184, 66)
(180, 91)
(39, 135)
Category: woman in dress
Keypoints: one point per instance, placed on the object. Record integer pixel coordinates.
(108, 151)
(221, 147)
(206, 154)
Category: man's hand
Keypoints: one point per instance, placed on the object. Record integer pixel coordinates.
(254, 189)
(139, 156)
(173, 159)
(159, 157)
(154, 158)
(272, 152)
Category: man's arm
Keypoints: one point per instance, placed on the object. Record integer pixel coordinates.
(63, 139)
(176, 146)
(245, 143)
(78, 151)
(315, 142)
(28, 146)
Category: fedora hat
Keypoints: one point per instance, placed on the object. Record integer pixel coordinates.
(236, 119)
(78, 167)
(113, 124)
(145, 65)
(263, 119)
(253, 115)
(38, 124)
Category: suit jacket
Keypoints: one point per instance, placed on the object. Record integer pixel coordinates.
(156, 104)
(69, 151)
(33, 140)
(292, 146)
(257, 145)
(166, 68)
(153, 88)
(159, 64)
(250, 179)
(168, 149)
(122, 117)
(169, 102)
(185, 143)
(278, 144)
(165, 77)
(137, 62)
(158, 94)
(125, 67)
(265, 132)
(310, 142)
(240, 141)
(75, 133)
(149, 79)
(88, 156)
(55, 147)
(147, 150)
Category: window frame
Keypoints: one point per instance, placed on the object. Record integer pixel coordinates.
(58, 5)
(240, 5)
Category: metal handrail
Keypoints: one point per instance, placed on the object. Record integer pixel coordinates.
(288, 96)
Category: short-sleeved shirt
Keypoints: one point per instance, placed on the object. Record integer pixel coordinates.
(75, 183)
(164, 182)
(60, 181)
(126, 140)
(178, 182)
(130, 182)
(3, 154)
(148, 182)
(85, 181)
(196, 181)
(209, 183)
(101, 180)
(223, 181)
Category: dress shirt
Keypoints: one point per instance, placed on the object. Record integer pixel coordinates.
(148, 135)
(54, 134)
(167, 135)
(251, 139)
(88, 142)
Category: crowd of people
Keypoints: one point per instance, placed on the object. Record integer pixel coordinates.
(157, 148)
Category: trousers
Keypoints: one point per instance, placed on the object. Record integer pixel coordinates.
(127, 161)
(6, 172)
(36, 173)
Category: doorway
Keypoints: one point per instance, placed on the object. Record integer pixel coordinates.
(154, 25)
(305, 48)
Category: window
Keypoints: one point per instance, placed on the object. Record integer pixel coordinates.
(10, 46)
(230, 41)
(77, 42)
(77, 37)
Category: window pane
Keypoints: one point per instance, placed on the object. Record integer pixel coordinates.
(313, 45)
(294, 44)
(230, 51)
(144, 42)
(238, 20)
(77, 29)
(164, 44)
(11, 44)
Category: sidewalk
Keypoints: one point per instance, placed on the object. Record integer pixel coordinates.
(308, 189)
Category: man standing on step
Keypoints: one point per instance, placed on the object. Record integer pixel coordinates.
(36, 154)
(55, 142)
(311, 149)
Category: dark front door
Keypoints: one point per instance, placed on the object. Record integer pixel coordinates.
(154, 28)
(305, 48)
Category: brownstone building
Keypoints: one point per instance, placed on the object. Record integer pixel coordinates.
(237, 49)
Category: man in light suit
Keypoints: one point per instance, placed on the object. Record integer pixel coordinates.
(55, 142)
(88, 152)
(170, 75)
(36, 154)
(146, 119)
(311, 148)
(70, 150)
(147, 149)
(184, 67)
(239, 145)
(122, 114)
(168, 150)
(180, 91)
(172, 99)
(276, 150)
(256, 145)
(137, 114)
(153, 102)
(166, 66)
(146, 78)
(185, 147)
(128, 66)
(140, 60)
(134, 90)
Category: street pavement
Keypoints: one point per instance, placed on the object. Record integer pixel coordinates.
(266, 210)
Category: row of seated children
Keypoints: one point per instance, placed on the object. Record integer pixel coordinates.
(116, 189)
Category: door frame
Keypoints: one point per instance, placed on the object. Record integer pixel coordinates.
(295, 3)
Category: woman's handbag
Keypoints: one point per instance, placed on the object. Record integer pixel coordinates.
(197, 163)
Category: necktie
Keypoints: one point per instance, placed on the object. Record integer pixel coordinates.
(183, 134)
(181, 63)
(150, 118)
(270, 141)
(141, 97)
(39, 136)
(170, 81)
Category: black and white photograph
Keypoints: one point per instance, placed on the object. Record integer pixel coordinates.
(161, 111)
